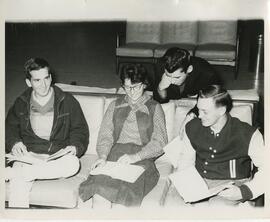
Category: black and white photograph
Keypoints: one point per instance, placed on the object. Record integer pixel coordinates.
(135, 109)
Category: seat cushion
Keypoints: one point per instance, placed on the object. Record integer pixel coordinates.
(55, 193)
(216, 52)
(145, 50)
(160, 50)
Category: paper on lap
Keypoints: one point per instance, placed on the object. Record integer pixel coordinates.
(173, 150)
(192, 187)
(35, 158)
(116, 170)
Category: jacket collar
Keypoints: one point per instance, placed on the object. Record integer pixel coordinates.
(59, 95)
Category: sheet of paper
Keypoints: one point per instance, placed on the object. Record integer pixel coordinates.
(191, 186)
(125, 172)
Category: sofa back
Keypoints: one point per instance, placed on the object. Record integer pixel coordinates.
(179, 32)
(217, 32)
(94, 108)
(240, 110)
(146, 32)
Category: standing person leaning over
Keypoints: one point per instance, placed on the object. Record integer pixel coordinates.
(43, 120)
(132, 132)
(184, 75)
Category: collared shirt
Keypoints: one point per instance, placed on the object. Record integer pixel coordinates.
(130, 132)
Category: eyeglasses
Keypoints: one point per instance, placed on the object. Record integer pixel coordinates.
(134, 88)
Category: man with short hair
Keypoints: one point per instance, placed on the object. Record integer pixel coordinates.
(223, 149)
(43, 120)
(184, 75)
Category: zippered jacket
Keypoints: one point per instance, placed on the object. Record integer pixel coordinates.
(69, 125)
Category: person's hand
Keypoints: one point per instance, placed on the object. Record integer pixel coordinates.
(188, 118)
(128, 159)
(178, 80)
(71, 149)
(232, 192)
(165, 82)
(19, 149)
(98, 163)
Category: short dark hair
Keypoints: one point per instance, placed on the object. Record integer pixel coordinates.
(219, 94)
(35, 64)
(137, 73)
(176, 58)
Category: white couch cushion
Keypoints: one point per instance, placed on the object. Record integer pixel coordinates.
(169, 111)
(243, 112)
(93, 109)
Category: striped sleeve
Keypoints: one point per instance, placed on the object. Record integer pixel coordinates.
(105, 136)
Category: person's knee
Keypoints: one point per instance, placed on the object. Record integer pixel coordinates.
(72, 165)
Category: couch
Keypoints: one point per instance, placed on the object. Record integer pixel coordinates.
(63, 193)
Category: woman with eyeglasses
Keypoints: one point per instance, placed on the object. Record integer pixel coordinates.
(132, 132)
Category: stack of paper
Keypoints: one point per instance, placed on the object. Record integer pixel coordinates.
(191, 186)
(125, 172)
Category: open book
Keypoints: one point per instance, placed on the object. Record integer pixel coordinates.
(192, 187)
(35, 158)
(116, 170)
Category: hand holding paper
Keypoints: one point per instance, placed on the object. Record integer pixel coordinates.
(231, 192)
(192, 187)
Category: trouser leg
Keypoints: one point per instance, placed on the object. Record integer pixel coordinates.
(63, 167)
(22, 176)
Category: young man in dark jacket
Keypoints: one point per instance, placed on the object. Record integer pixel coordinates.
(184, 75)
(42, 121)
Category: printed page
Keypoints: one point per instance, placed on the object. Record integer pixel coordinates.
(125, 172)
(191, 186)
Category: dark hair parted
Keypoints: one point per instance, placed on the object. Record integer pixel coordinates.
(176, 58)
(35, 64)
(137, 73)
(219, 94)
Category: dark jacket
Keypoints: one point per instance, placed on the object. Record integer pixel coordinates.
(69, 125)
(202, 75)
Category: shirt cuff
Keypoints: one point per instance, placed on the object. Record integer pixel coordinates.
(246, 193)
(135, 158)
(103, 156)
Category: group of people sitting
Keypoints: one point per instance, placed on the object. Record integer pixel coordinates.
(44, 120)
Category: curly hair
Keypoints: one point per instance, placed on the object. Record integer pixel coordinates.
(137, 73)
(176, 58)
(35, 64)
